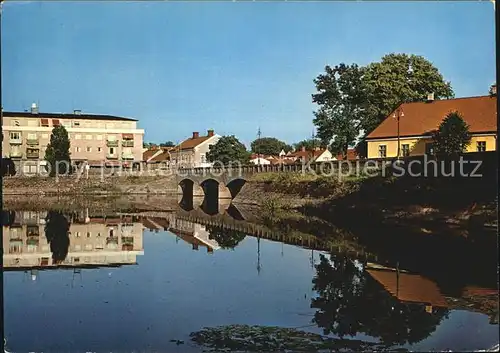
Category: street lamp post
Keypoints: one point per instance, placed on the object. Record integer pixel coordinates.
(398, 114)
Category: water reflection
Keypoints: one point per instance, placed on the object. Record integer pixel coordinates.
(346, 293)
(350, 302)
(54, 239)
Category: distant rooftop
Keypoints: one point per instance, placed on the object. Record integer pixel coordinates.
(75, 115)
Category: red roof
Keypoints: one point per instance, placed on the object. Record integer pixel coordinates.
(351, 155)
(192, 142)
(420, 118)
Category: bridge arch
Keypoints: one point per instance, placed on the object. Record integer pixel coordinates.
(235, 185)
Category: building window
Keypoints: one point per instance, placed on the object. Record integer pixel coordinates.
(88, 137)
(99, 149)
(99, 137)
(429, 148)
(15, 135)
(405, 150)
(111, 138)
(15, 123)
(89, 149)
(382, 151)
(111, 150)
(481, 146)
(77, 149)
(88, 234)
(76, 123)
(203, 158)
(32, 137)
(78, 137)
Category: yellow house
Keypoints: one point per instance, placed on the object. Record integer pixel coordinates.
(417, 121)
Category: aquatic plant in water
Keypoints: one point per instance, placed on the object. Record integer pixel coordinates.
(245, 338)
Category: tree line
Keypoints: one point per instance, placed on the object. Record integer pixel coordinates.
(351, 101)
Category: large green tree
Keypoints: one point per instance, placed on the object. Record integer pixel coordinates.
(57, 153)
(400, 78)
(308, 144)
(228, 150)
(167, 144)
(269, 146)
(341, 98)
(452, 137)
(354, 99)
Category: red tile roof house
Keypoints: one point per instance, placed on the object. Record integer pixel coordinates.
(419, 119)
(157, 157)
(191, 153)
(317, 155)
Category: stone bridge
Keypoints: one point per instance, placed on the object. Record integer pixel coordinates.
(227, 182)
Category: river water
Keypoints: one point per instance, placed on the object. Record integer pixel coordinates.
(102, 281)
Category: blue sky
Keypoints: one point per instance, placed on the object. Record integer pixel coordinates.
(231, 66)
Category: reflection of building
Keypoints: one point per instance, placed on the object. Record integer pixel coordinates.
(414, 288)
(93, 242)
(192, 233)
(410, 288)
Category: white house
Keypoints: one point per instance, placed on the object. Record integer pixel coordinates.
(192, 152)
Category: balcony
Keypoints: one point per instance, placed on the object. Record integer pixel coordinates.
(15, 154)
(35, 153)
(15, 141)
(111, 156)
(128, 143)
(32, 142)
(112, 143)
(127, 157)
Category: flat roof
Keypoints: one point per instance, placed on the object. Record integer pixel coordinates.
(65, 116)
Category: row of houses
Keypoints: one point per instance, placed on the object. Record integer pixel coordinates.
(114, 140)
(409, 127)
(192, 152)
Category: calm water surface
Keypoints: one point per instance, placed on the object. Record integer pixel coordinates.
(154, 287)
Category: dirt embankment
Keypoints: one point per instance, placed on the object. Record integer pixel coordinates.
(93, 186)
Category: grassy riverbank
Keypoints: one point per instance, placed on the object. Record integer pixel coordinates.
(430, 205)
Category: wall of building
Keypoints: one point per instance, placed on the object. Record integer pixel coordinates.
(326, 156)
(88, 139)
(417, 146)
(200, 152)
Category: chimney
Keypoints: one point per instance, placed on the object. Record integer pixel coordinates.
(196, 134)
(493, 90)
(34, 109)
(210, 133)
(430, 97)
(303, 149)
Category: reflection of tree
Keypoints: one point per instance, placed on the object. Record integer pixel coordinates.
(226, 238)
(350, 301)
(57, 233)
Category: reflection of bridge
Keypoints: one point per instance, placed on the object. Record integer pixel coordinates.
(232, 220)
